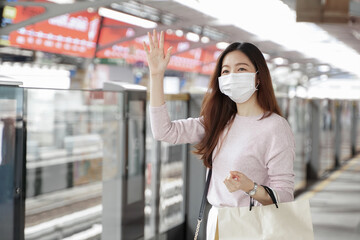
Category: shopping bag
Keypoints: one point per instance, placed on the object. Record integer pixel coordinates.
(290, 220)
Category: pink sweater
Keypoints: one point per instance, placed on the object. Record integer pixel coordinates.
(263, 150)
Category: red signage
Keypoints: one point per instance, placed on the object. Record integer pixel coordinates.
(71, 34)
(194, 60)
(208, 59)
(112, 30)
(24, 13)
(75, 34)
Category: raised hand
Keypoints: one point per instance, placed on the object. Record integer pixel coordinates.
(156, 58)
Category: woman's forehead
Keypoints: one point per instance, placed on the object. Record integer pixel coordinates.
(235, 58)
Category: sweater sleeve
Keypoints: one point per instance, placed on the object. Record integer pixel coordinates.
(189, 130)
(280, 162)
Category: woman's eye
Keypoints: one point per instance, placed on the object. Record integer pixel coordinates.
(242, 69)
(224, 72)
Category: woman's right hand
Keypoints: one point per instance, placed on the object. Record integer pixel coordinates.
(156, 58)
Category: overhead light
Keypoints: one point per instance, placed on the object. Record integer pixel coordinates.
(179, 33)
(324, 68)
(62, 1)
(222, 45)
(205, 39)
(280, 61)
(123, 17)
(323, 77)
(295, 65)
(193, 37)
(301, 92)
(169, 31)
(91, 10)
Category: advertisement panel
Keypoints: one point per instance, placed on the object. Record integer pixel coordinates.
(184, 59)
(76, 34)
(71, 34)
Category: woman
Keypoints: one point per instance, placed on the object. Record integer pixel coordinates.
(240, 133)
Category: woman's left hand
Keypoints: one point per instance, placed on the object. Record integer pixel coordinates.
(238, 181)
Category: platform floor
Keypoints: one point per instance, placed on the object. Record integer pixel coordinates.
(335, 204)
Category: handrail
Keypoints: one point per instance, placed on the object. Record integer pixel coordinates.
(174, 97)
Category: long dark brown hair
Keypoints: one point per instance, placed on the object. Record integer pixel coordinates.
(218, 110)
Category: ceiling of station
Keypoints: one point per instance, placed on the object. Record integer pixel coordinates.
(348, 33)
(180, 15)
(232, 33)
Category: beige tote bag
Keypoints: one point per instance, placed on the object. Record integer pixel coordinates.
(291, 220)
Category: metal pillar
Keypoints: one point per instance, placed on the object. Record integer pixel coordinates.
(313, 165)
(338, 138)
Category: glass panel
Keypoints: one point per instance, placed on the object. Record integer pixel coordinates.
(133, 213)
(136, 151)
(64, 163)
(284, 106)
(123, 166)
(327, 135)
(298, 119)
(114, 156)
(357, 112)
(172, 191)
(151, 180)
(171, 205)
(345, 130)
(11, 99)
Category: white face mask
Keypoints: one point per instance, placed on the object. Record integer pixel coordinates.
(238, 86)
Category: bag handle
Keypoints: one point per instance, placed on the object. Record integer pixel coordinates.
(271, 194)
(203, 204)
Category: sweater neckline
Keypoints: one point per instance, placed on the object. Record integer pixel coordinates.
(254, 117)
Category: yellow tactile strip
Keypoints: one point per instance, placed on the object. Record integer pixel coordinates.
(322, 184)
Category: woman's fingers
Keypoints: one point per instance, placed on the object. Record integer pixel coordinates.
(154, 41)
(235, 174)
(226, 184)
(151, 42)
(146, 48)
(168, 55)
(161, 44)
(229, 186)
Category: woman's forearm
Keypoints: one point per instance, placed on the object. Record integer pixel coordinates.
(237, 181)
(262, 196)
(157, 97)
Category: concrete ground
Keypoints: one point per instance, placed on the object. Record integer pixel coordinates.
(335, 204)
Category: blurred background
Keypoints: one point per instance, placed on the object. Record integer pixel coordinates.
(78, 158)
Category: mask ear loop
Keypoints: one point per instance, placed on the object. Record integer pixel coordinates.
(258, 82)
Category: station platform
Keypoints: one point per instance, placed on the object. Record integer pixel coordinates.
(335, 203)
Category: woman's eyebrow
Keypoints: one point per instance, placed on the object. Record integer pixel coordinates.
(236, 65)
